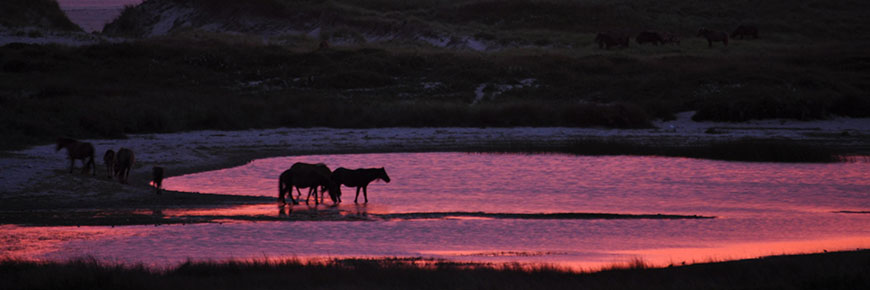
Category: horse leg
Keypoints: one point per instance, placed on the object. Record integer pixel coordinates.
(366, 193)
(357, 195)
(93, 166)
(72, 164)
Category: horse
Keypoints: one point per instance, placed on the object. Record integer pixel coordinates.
(157, 177)
(609, 39)
(109, 161)
(305, 175)
(712, 35)
(359, 178)
(78, 150)
(650, 36)
(124, 160)
(745, 31)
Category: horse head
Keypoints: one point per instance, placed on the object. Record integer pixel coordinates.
(382, 174)
(703, 31)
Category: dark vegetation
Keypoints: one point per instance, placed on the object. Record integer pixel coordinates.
(34, 14)
(193, 79)
(838, 270)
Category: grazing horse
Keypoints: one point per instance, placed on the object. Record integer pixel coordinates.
(610, 39)
(745, 31)
(109, 161)
(157, 177)
(78, 150)
(712, 35)
(650, 37)
(305, 175)
(359, 178)
(124, 160)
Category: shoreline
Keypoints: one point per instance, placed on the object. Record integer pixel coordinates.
(36, 178)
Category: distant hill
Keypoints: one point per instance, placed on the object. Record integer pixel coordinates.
(486, 24)
(35, 13)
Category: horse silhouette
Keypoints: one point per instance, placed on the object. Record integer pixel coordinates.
(109, 161)
(650, 37)
(306, 175)
(611, 39)
(157, 177)
(745, 31)
(712, 35)
(359, 178)
(78, 150)
(124, 160)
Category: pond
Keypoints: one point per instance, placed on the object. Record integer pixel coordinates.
(494, 208)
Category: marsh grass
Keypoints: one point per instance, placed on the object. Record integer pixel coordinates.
(836, 270)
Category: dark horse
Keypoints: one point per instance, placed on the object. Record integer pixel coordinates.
(610, 39)
(124, 160)
(109, 161)
(78, 150)
(359, 178)
(305, 175)
(745, 31)
(712, 35)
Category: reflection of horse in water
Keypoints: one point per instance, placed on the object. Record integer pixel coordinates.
(124, 160)
(305, 175)
(78, 150)
(359, 178)
(109, 161)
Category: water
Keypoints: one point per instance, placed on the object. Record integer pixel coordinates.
(92, 15)
(761, 209)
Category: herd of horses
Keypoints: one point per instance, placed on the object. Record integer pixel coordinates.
(118, 164)
(300, 175)
(622, 39)
(314, 176)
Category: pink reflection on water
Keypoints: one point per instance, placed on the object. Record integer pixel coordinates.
(546, 183)
(762, 209)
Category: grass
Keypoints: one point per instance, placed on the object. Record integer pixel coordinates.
(837, 270)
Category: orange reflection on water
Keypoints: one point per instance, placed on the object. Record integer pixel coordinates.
(746, 250)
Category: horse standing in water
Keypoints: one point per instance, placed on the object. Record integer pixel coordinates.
(157, 177)
(109, 161)
(359, 178)
(78, 150)
(124, 160)
(305, 175)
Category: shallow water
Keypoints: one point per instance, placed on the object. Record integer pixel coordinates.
(760, 209)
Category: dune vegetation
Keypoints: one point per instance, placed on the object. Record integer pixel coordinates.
(45, 14)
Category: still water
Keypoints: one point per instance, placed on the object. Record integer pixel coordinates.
(760, 209)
